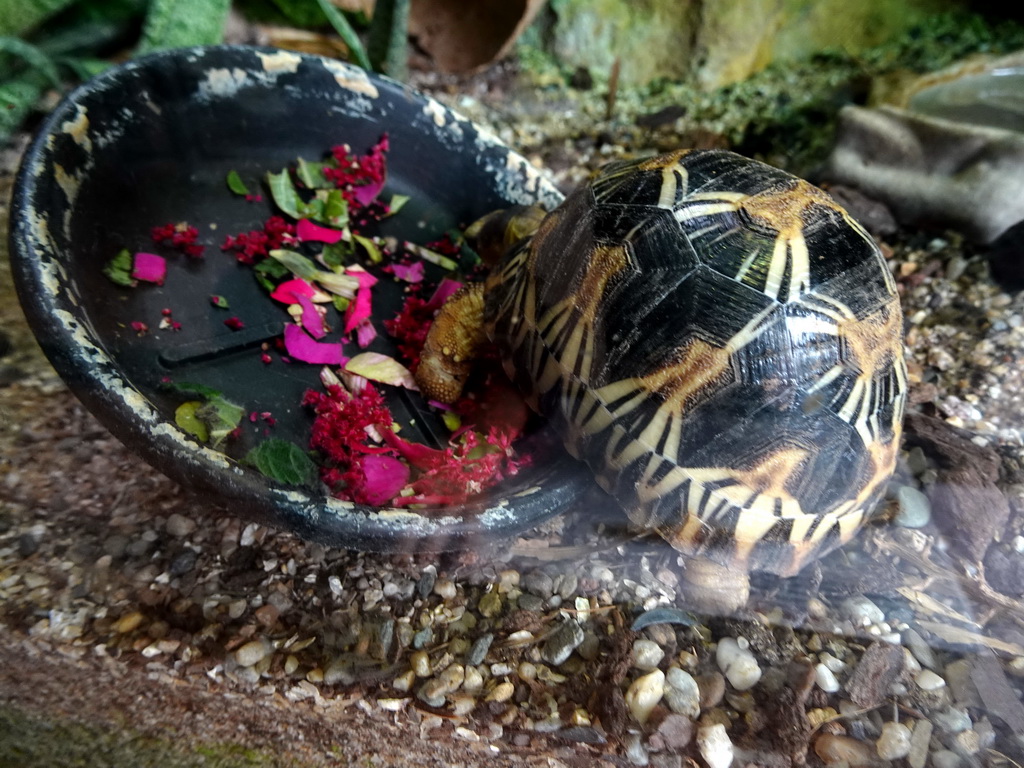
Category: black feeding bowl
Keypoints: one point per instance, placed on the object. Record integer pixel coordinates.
(151, 142)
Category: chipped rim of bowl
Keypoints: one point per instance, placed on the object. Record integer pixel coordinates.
(49, 298)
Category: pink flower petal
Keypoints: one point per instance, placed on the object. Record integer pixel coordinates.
(365, 333)
(302, 346)
(149, 268)
(307, 231)
(444, 290)
(384, 477)
(367, 193)
(287, 291)
(410, 273)
(360, 307)
(312, 320)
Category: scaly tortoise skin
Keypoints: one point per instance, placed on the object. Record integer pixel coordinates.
(717, 339)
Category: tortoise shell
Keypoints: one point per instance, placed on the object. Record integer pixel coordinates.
(722, 344)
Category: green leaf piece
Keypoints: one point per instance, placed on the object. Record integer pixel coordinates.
(312, 175)
(181, 23)
(33, 56)
(282, 461)
(286, 197)
(397, 203)
(20, 16)
(119, 269)
(185, 417)
(221, 416)
(235, 183)
(346, 33)
(269, 270)
(334, 255)
(373, 251)
(300, 266)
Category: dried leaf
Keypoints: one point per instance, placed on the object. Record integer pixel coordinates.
(381, 368)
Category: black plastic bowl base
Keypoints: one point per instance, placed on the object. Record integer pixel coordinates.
(151, 142)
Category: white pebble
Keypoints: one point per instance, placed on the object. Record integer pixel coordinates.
(929, 681)
(715, 746)
(825, 679)
(862, 612)
(252, 652)
(737, 664)
(682, 693)
(894, 743)
(647, 654)
(445, 588)
(644, 694)
(945, 758)
(913, 508)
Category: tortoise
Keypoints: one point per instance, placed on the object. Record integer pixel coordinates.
(717, 339)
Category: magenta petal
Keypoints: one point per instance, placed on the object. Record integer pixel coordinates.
(444, 290)
(287, 291)
(360, 307)
(312, 320)
(410, 273)
(149, 268)
(301, 346)
(307, 230)
(365, 333)
(385, 477)
(367, 193)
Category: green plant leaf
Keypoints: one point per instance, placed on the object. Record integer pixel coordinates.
(20, 16)
(185, 417)
(235, 183)
(346, 33)
(372, 249)
(286, 197)
(180, 23)
(33, 56)
(312, 175)
(269, 270)
(282, 461)
(119, 269)
(221, 416)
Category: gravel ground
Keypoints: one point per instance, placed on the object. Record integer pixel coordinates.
(144, 625)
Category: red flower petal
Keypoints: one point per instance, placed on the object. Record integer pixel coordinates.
(288, 291)
(360, 307)
(410, 273)
(312, 320)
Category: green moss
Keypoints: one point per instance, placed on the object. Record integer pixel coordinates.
(29, 741)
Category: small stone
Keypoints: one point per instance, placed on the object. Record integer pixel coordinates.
(644, 694)
(128, 622)
(913, 510)
(404, 681)
(843, 750)
(463, 704)
(291, 664)
(252, 652)
(967, 743)
(919, 647)
(445, 588)
(952, 720)
(738, 664)
(419, 662)
(647, 654)
(180, 526)
(929, 681)
(425, 585)
(894, 743)
(490, 605)
(562, 642)
(474, 681)
(539, 583)
(945, 758)
(567, 586)
(501, 692)
(825, 679)
(636, 751)
(479, 650)
(862, 612)
(28, 544)
(529, 602)
(183, 563)
(682, 693)
(712, 689)
(266, 615)
(917, 757)
(675, 731)
(422, 638)
(715, 746)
